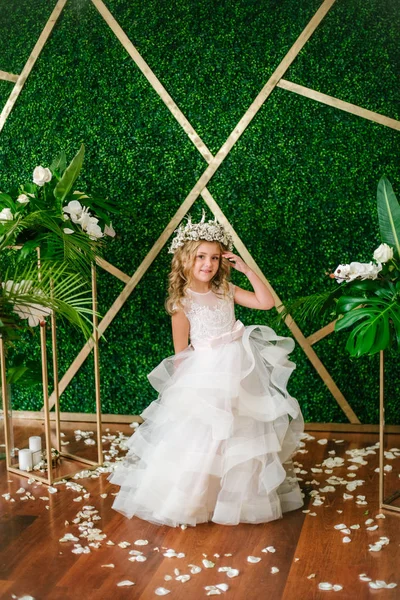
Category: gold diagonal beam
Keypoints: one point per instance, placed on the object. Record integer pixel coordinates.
(251, 112)
(30, 62)
(340, 104)
(113, 270)
(297, 333)
(8, 76)
(152, 79)
(321, 333)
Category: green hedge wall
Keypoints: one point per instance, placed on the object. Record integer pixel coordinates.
(299, 186)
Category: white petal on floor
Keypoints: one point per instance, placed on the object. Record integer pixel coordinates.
(125, 583)
(208, 564)
(161, 591)
(324, 585)
(253, 559)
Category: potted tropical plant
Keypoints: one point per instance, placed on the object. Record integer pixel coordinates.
(47, 219)
(367, 299)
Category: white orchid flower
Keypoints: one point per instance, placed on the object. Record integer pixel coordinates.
(109, 230)
(35, 313)
(93, 230)
(74, 209)
(357, 270)
(84, 218)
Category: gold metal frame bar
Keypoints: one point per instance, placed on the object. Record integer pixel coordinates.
(5, 76)
(6, 404)
(340, 104)
(384, 503)
(97, 367)
(30, 62)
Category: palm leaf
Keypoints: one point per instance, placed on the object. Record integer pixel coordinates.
(63, 292)
(309, 308)
(388, 215)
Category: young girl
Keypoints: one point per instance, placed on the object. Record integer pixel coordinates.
(216, 444)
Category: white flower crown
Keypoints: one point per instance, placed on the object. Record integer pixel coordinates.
(212, 231)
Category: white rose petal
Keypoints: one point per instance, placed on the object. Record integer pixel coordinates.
(160, 591)
(253, 559)
(232, 573)
(194, 569)
(125, 583)
(68, 231)
(208, 564)
(324, 585)
(23, 199)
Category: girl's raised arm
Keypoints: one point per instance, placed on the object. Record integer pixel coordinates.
(180, 331)
(261, 298)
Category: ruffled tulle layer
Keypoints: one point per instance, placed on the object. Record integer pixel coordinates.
(217, 443)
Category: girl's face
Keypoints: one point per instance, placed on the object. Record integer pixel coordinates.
(206, 263)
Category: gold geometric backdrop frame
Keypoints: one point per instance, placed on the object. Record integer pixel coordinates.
(200, 188)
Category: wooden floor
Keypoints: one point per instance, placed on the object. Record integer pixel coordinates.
(309, 550)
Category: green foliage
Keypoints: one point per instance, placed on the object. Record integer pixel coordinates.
(69, 175)
(389, 215)
(299, 186)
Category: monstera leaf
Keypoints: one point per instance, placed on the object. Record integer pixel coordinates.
(388, 215)
(373, 321)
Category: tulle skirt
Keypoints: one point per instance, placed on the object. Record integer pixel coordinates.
(217, 443)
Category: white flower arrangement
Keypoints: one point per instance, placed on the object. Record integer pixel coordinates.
(362, 271)
(56, 182)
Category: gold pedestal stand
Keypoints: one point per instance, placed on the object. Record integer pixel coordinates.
(64, 456)
(384, 503)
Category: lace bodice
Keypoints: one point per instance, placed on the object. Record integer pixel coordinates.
(211, 317)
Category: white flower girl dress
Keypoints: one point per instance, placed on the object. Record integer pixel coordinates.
(217, 443)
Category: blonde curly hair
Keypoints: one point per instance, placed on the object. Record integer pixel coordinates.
(181, 271)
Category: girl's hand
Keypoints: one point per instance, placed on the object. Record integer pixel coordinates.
(236, 262)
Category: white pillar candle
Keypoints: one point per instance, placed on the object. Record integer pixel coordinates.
(36, 457)
(35, 443)
(25, 459)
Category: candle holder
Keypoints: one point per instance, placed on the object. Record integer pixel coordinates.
(385, 503)
(52, 454)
